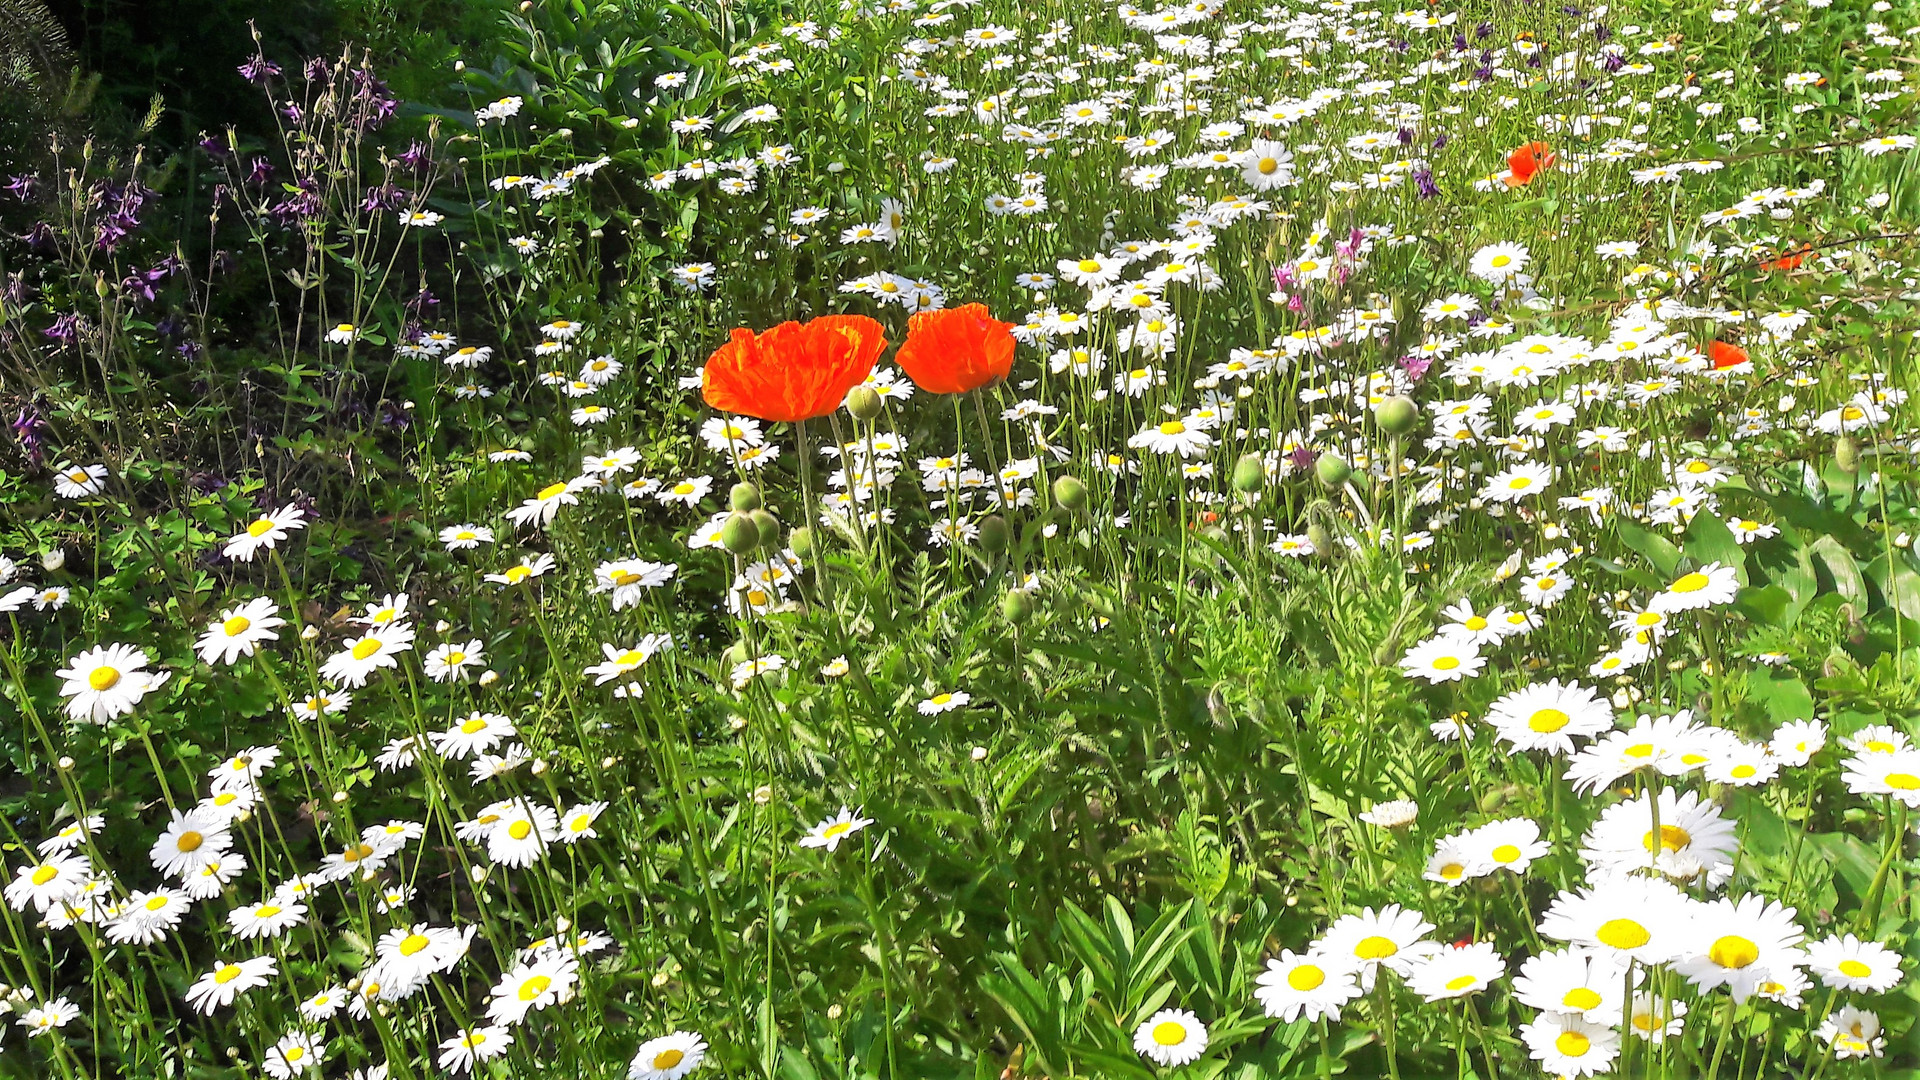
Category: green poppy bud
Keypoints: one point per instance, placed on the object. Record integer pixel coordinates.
(863, 402)
(1333, 470)
(995, 534)
(1070, 493)
(1016, 607)
(744, 498)
(801, 541)
(739, 534)
(1397, 415)
(768, 525)
(1846, 453)
(1249, 474)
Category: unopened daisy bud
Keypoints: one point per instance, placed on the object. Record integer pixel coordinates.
(995, 534)
(763, 795)
(744, 498)
(309, 632)
(1070, 493)
(1016, 607)
(1249, 474)
(1397, 415)
(660, 979)
(768, 525)
(489, 677)
(801, 541)
(539, 767)
(1332, 470)
(738, 534)
(66, 764)
(479, 874)
(1621, 699)
(339, 797)
(1846, 453)
(834, 1011)
(562, 924)
(609, 761)
(53, 559)
(863, 402)
(442, 626)
(738, 723)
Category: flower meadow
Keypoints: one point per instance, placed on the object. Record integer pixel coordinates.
(960, 538)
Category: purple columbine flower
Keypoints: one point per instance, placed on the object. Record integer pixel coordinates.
(26, 428)
(1424, 184)
(259, 70)
(65, 329)
(418, 156)
(1416, 366)
(22, 187)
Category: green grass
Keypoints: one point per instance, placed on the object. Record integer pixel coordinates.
(1192, 702)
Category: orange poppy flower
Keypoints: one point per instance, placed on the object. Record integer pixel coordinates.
(956, 350)
(795, 371)
(1527, 161)
(1725, 354)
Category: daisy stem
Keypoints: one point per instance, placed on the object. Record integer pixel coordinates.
(1896, 830)
(1720, 1043)
(883, 938)
(1480, 1035)
(1387, 1034)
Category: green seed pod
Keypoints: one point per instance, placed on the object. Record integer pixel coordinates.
(995, 534)
(1846, 453)
(801, 541)
(768, 525)
(737, 654)
(1397, 415)
(744, 498)
(739, 534)
(1016, 607)
(1249, 474)
(863, 403)
(1332, 470)
(1070, 493)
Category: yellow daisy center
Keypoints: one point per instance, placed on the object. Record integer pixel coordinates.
(1693, 582)
(1580, 999)
(1622, 934)
(1733, 951)
(1375, 947)
(104, 678)
(1306, 977)
(1547, 721)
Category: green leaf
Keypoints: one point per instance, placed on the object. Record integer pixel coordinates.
(1657, 550)
(1840, 565)
(1710, 541)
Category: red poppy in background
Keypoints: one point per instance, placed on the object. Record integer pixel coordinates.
(795, 371)
(1527, 161)
(1789, 260)
(956, 350)
(1725, 354)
